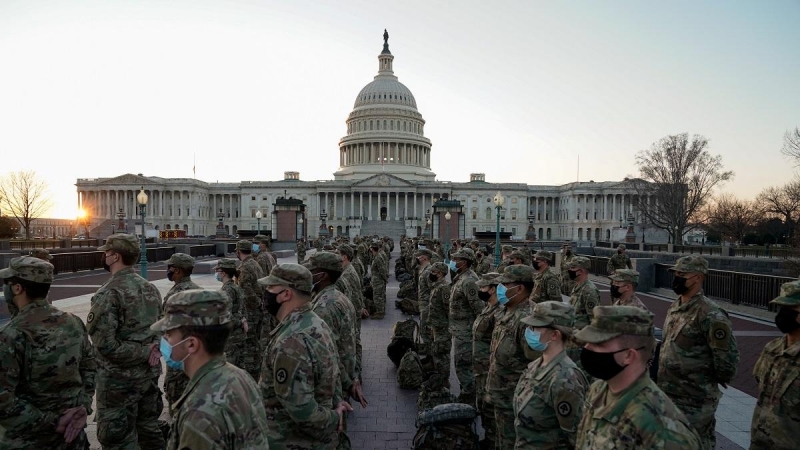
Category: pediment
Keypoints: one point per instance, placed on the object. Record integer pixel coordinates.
(383, 180)
(128, 178)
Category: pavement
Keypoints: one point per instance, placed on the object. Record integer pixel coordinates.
(389, 420)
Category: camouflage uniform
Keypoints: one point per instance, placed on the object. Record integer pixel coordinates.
(128, 398)
(300, 381)
(777, 372)
(641, 416)
(483, 266)
(618, 261)
(546, 286)
(301, 251)
(439, 323)
(349, 283)
(698, 352)
(36, 383)
(424, 298)
(380, 276)
(548, 400)
(234, 347)
(464, 307)
(584, 296)
(258, 322)
(628, 276)
(509, 357)
(264, 257)
(566, 283)
(482, 330)
(176, 380)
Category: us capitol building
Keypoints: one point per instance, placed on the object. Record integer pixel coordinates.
(384, 185)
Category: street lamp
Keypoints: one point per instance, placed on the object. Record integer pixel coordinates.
(258, 221)
(499, 200)
(141, 199)
(447, 217)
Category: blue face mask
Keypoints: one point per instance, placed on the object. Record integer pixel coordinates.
(218, 276)
(533, 340)
(256, 248)
(166, 352)
(452, 266)
(501, 294)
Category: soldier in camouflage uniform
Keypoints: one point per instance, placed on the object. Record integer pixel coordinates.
(482, 330)
(517, 257)
(195, 329)
(777, 373)
(464, 307)
(699, 350)
(566, 256)
(439, 320)
(423, 257)
(128, 366)
(45, 395)
(625, 409)
(509, 352)
(548, 400)
(349, 283)
(546, 286)
(259, 324)
(224, 272)
(364, 256)
(379, 270)
(619, 261)
(483, 267)
(623, 288)
(300, 381)
(505, 258)
(585, 295)
(264, 258)
(301, 250)
(179, 271)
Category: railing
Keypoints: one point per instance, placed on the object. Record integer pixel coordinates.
(762, 252)
(734, 287)
(77, 261)
(598, 264)
(603, 244)
(698, 249)
(197, 251)
(155, 254)
(656, 247)
(26, 244)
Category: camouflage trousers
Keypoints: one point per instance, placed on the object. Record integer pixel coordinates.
(502, 403)
(462, 356)
(174, 384)
(486, 411)
(701, 415)
(301, 257)
(424, 329)
(127, 414)
(440, 352)
(234, 347)
(378, 295)
(359, 347)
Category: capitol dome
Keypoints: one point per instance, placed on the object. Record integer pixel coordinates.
(385, 131)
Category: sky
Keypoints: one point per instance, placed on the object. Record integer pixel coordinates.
(518, 90)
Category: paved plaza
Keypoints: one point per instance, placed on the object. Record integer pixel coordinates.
(389, 420)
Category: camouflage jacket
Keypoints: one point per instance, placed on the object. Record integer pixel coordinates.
(46, 366)
(249, 273)
(618, 261)
(364, 255)
(349, 284)
(633, 301)
(546, 287)
(380, 267)
(698, 351)
(777, 412)
(584, 298)
(639, 417)
(483, 266)
(482, 330)
(221, 408)
(300, 382)
(336, 310)
(548, 404)
(464, 303)
(301, 248)
(236, 307)
(424, 287)
(183, 285)
(439, 310)
(503, 264)
(266, 261)
(509, 355)
(565, 259)
(359, 266)
(119, 325)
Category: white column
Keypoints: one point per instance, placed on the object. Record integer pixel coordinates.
(370, 206)
(335, 205)
(405, 204)
(352, 204)
(415, 205)
(397, 205)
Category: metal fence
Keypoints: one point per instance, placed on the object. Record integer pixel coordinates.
(599, 264)
(202, 250)
(26, 244)
(761, 252)
(91, 260)
(700, 249)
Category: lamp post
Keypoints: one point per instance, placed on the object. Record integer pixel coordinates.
(258, 221)
(447, 217)
(499, 200)
(141, 199)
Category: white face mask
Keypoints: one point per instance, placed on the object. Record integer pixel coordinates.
(218, 276)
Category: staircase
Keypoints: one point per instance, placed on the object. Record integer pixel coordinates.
(392, 228)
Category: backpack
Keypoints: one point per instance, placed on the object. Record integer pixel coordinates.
(409, 372)
(408, 306)
(433, 393)
(447, 427)
(405, 335)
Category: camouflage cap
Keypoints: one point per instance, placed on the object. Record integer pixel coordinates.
(121, 243)
(609, 322)
(41, 253)
(291, 275)
(423, 252)
(558, 315)
(244, 244)
(579, 262)
(325, 260)
(181, 261)
(475, 242)
(519, 273)
(626, 275)
(790, 294)
(465, 253)
(259, 238)
(347, 250)
(507, 249)
(226, 263)
(516, 254)
(29, 268)
(542, 254)
(196, 308)
(621, 247)
(691, 263)
(440, 267)
(488, 279)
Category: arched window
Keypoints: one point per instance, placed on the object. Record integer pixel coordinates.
(370, 125)
(488, 213)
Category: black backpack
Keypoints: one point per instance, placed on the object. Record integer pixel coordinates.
(405, 335)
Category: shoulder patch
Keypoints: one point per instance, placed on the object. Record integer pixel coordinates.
(280, 376)
(590, 305)
(720, 334)
(90, 317)
(564, 409)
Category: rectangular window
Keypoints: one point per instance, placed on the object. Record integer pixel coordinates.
(253, 198)
(513, 231)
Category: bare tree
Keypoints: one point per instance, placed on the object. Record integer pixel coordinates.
(731, 217)
(676, 178)
(782, 202)
(791, 144)
(24, 196)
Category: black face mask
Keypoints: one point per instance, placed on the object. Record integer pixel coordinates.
(170, 275)
(568, 252)
(619, 252)
(485, 296)
(536, 265)
(679, 285)
(615, 291)
(572, 274)
(432, 277)
(786, 320)
(271, 302)
(601, 365)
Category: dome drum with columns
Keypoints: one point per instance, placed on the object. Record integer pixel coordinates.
(384, 185)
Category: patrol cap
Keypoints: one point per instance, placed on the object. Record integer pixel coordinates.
(465, 253)
(181, 261)
(579, 262)
(790, 294)
(226, 263)
(244, 244)
(29, 268)
(609, 322)
(542, 254)
(375, 245)
(41, 253)
(558, 315)
(488, 279)
(196, 308)
(121, 243)
(423, 252)
(475, 242)
(507, 249)
(621, 247)
(517, 254)
(325, 260)
(347, 250)
(691, 263)
(290, 275)
(626, 275)
(440, 267)
(259, 238)
(519, 273)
